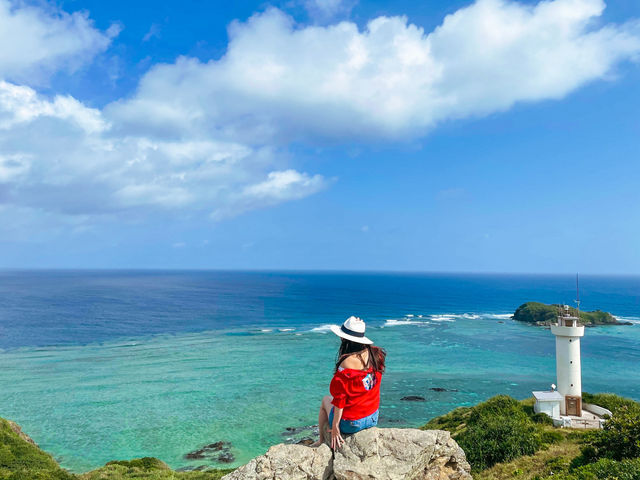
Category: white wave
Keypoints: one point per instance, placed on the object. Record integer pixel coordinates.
(444, 318)
(266, 330)
(394, 322)
(286, 329)
(322, 328)
(635, 320)
(409, 316)
(452, 317)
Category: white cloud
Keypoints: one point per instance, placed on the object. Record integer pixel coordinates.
(22, 105)
(37, 41)
(61, 156)
(279, 81)
(211, 138)
(280, 186)
(154, 32)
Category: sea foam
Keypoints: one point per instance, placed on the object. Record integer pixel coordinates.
(322, 328)
(635, 320)
(394, 322)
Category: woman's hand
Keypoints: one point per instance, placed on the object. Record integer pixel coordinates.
(336, 439)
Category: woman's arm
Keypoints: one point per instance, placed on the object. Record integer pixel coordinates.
(336, 438)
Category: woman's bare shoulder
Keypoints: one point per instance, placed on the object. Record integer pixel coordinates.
(352, 361)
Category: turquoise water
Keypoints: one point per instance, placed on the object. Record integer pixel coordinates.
(100, 366)
(164, 396)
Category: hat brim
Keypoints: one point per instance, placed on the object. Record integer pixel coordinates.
(338, 331)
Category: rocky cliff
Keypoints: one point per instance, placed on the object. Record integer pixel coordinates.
(375, 453)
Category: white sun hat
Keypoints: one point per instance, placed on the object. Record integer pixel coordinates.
(352, 329)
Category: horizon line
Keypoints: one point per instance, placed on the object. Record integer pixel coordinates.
(307, 270)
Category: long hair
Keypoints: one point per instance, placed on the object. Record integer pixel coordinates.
(377, 355)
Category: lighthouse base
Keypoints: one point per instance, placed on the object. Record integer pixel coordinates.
(588, 420)
(576, 413)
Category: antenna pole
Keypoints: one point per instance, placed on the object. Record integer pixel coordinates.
(578, 296)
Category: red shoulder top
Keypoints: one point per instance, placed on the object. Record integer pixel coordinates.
(356, 391)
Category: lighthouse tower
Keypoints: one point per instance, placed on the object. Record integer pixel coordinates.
(568, 332)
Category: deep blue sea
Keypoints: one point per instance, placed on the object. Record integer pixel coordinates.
(104, 365)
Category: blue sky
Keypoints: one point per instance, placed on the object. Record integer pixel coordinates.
(489, 136)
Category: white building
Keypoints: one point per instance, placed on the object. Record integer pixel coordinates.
(548, 402)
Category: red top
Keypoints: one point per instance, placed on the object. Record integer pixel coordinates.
(356, 391)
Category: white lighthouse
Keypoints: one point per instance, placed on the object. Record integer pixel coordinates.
(568, 332)
(564, 405)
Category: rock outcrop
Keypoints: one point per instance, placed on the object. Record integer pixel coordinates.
(218, 452)
(375, 453)
(16, 428)
(288, 462)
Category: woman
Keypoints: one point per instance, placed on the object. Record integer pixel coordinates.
(355, 387)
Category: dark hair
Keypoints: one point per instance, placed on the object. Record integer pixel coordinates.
(377, 355)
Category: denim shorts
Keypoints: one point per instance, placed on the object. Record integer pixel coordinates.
(353, 426)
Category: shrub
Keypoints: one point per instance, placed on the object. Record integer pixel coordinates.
(542, 419)
(498, 430)
(619, 439)
(603, 469)
(145, 463)
(550, 436)
(611, 401)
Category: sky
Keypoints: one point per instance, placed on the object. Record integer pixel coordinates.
(469, 136)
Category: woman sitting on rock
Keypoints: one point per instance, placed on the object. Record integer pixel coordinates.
(355, 387)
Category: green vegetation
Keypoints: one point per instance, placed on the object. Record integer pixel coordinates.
(531, 449)
(498, 430)
(20, 459)
(604, 469)
(542, 314)
(545, 462)
(610, 401)
(619, 439)
(147, 468)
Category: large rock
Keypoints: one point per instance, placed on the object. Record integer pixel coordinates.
(288, 462)
(375, 453)
(400, 453)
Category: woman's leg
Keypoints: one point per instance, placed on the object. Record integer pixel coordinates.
(323, 418)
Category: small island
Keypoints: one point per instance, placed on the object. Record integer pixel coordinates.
(543, 314)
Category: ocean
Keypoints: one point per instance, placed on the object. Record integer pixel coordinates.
(105, 365)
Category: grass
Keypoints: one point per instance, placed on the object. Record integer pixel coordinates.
(147, 468)
(556, 457)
